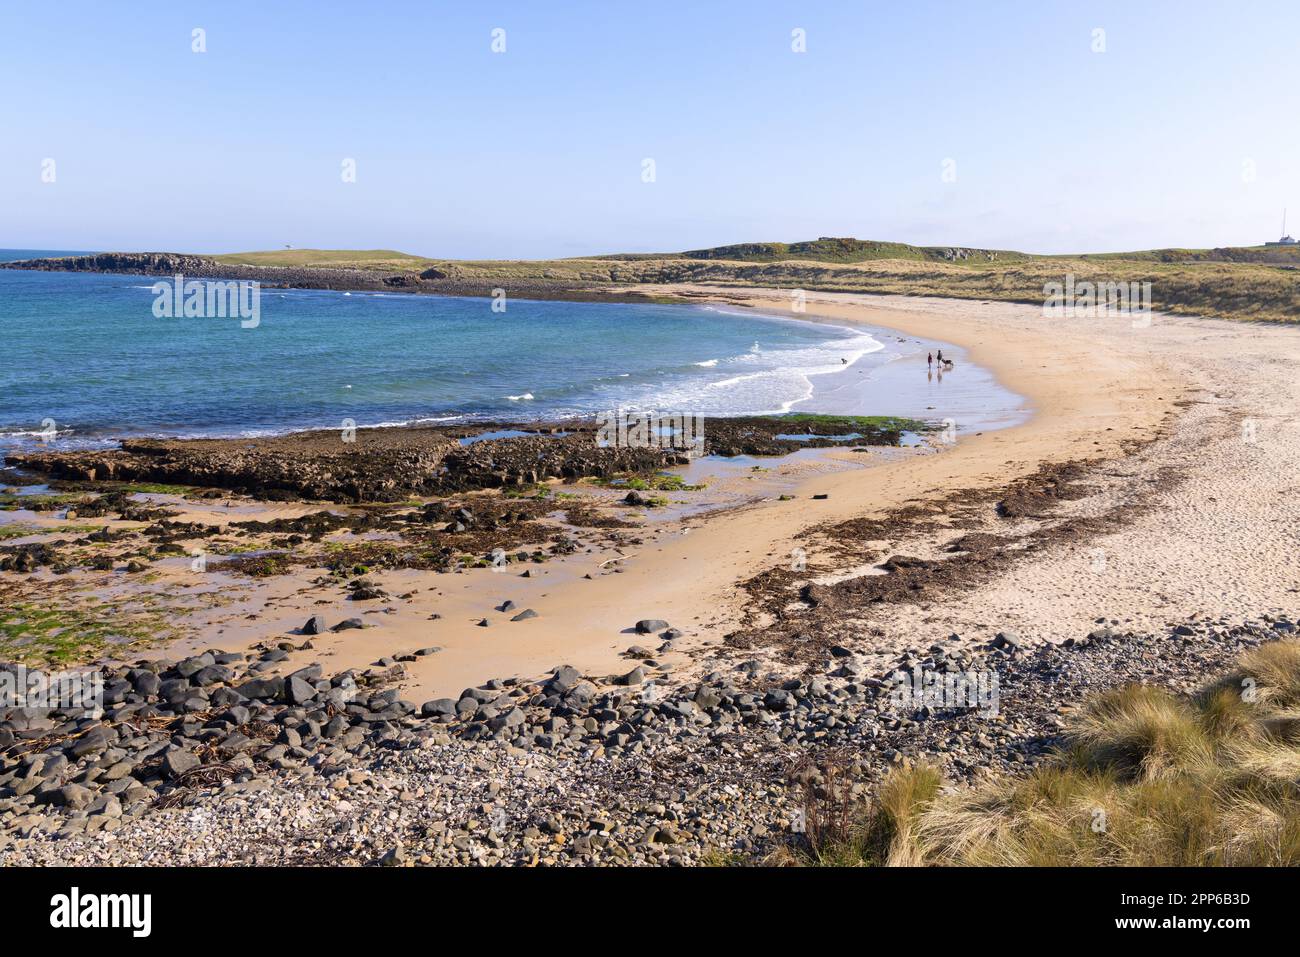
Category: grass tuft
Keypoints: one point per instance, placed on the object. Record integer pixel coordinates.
(1145, 779)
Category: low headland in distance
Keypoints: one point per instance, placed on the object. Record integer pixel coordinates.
(434, 646)
(1258, 282)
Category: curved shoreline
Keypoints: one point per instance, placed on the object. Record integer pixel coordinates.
(1155, 472)
(691, 575)
(689, 572)
(84, 435)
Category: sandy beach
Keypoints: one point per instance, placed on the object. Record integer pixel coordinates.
(1100, 390)
(1164, 404)
(1143, 498)
(454, 441)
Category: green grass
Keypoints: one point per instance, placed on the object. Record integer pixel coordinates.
(1147, 778)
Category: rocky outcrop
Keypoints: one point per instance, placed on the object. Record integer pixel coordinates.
(202, 267)
(388, 465)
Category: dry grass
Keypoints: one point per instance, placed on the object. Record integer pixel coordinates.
(1147, 779)
(380, 259)
(1189, 286)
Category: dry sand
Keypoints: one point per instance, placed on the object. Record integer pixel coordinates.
(1219, 539)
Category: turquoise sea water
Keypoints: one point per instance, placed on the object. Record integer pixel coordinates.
(87, 351)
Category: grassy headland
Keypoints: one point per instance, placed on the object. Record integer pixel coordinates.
(1252, 283)
(1260, 282)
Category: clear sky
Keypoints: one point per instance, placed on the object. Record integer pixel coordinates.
(1185, 131)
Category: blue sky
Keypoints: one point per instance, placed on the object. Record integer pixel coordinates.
(1185, 131)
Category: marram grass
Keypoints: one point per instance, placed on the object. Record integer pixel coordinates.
(1147, 778)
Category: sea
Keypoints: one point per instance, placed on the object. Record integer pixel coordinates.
(87, 361)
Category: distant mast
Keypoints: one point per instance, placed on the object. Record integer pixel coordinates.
(1285, 240)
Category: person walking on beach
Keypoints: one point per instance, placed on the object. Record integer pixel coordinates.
(929, 360)
(940, 357)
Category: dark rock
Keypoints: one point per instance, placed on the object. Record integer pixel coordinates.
(778, 699)
(72, 796)
(213, 674)
(94, 740)
(299, 691)
(146, 683)
(192, 666)
(268, 689)
(565, 679)
(178, 761)
(310, 673)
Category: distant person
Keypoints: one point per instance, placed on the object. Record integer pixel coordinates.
(929, 360)
(940, 357)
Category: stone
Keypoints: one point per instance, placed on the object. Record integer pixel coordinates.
(778, 699)
(178, 761)
(511, 719)
(72, 796)
(707, 698)
(524, 615)
(107, 805)
(146, 683)
(648, 626)
(263, 688)
(192, 666)
(94, 740)
(213, 674)
(310, 673)
(565, 679)
(1006, 639)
